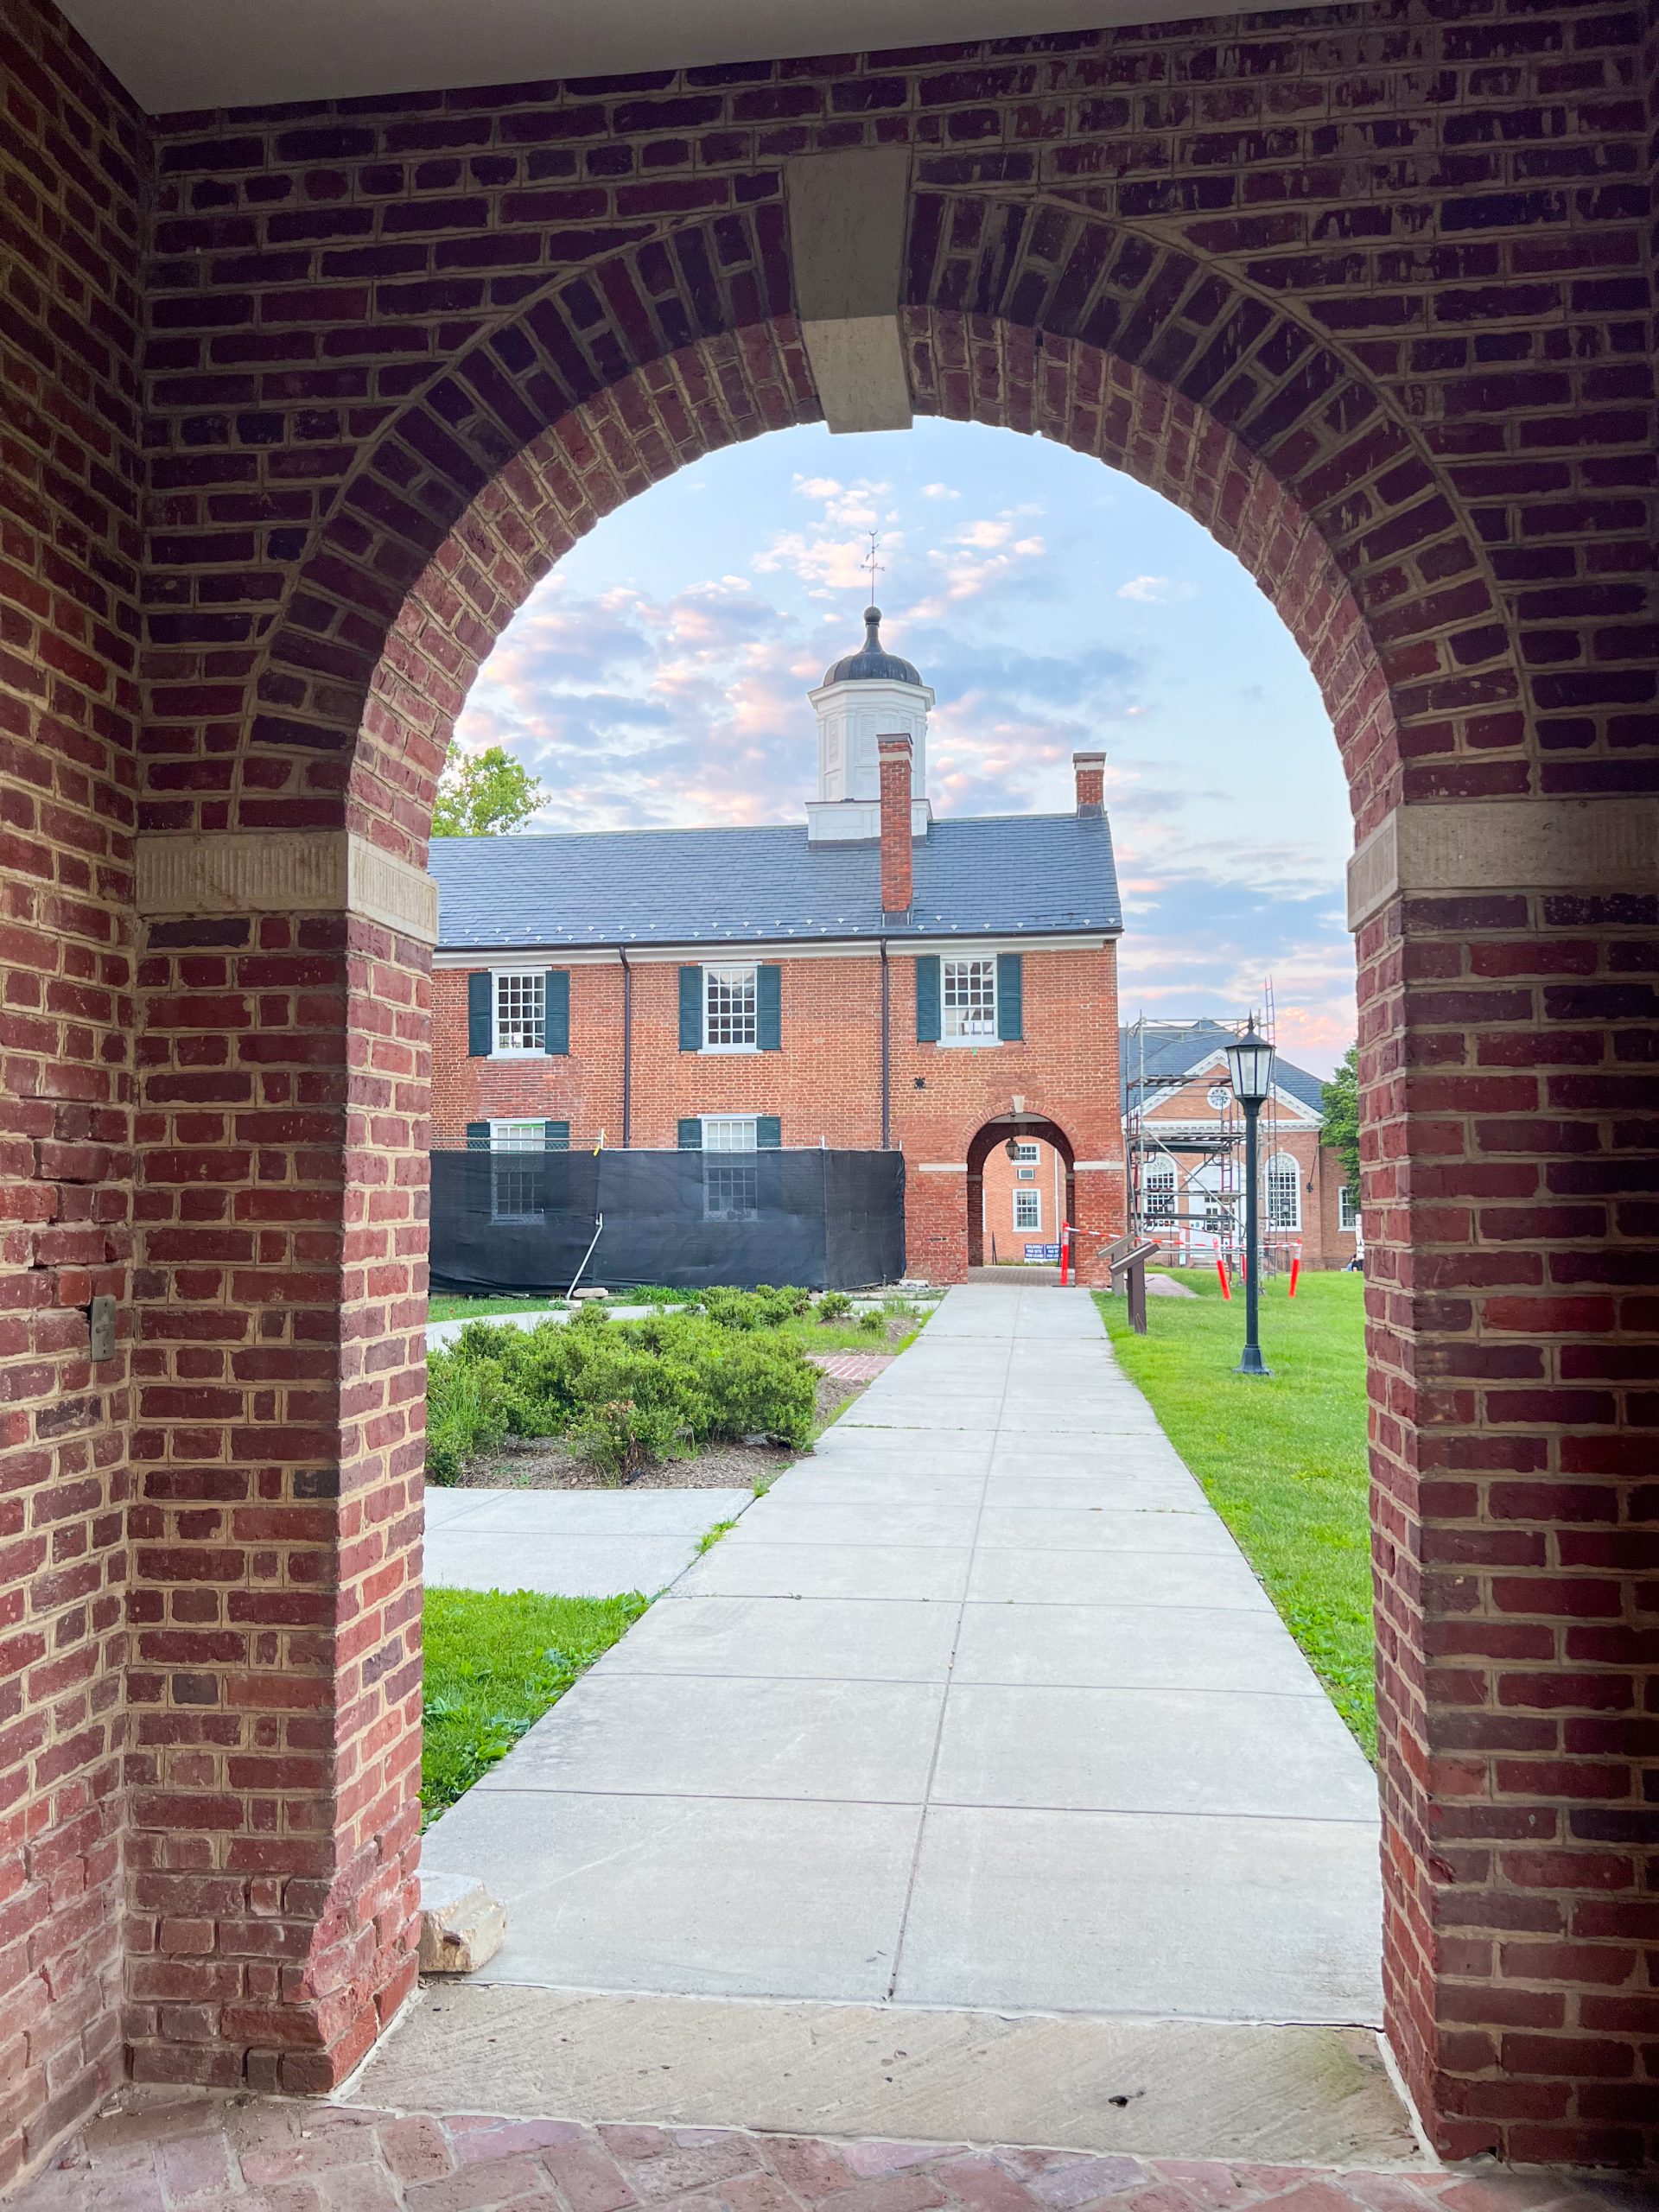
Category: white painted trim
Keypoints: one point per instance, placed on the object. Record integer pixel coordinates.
(725, 951)
(940, 1167)
(1098, 1166)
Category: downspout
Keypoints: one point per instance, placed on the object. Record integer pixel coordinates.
(886, 1054)
(627, 1045)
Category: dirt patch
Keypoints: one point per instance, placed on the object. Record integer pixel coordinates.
(546, 1462)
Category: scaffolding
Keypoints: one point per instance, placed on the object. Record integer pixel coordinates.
(1186, 1177)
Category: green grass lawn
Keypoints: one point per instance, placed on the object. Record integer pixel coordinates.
(443, 1306)
(1283, 1461)
(495, 1662)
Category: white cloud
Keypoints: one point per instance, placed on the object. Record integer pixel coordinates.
(939, 492)
(1151, 589)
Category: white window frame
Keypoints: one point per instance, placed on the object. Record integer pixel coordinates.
(1028, 1228)
(523, 1133)
(536, 978)
(1159, 1183)
(1027, 1151)
(729, 972)
(1025, 1174)
(1286, 1162)
(1348, 1209)
(730, 1171)
(724, 1133)
(978, 1038)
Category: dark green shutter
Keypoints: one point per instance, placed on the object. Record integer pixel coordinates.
(555, 1010)
(768, 1008)
(480, 1015)
(478, 1136)
(1010, 998)
(691, 1128)
(555, 1136)
(927, 998)
(768, 1133)
(691, 1009)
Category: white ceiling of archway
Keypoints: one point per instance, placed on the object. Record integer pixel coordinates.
(190, 53)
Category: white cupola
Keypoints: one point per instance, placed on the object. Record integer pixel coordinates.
(864, 697)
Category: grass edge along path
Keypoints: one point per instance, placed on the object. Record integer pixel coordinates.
(1283, 1461)
(495, 1662)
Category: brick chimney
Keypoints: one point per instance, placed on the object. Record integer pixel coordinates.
(894, 754)
(1091, 782)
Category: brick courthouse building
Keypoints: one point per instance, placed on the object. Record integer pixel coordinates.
(310, 372)
(872, 977)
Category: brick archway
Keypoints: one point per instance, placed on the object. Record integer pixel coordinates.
(1042, 317)
(984, 1141)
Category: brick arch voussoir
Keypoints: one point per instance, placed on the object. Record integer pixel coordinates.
(591, 354)
(1347, 523)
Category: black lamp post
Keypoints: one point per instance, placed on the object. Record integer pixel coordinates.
(1249, 1062)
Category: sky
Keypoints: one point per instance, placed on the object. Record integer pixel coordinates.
(658, 677)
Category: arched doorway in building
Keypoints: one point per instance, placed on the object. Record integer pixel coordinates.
(1022, 1190)
(460, 499)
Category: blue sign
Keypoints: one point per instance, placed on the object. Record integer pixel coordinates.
(1042, 1252)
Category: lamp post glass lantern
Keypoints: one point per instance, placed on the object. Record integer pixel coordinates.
(1249, 1063)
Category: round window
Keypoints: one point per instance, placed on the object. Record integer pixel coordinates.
(1220, 1096)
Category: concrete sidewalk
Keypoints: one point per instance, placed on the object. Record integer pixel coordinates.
(569, 1543)
(981, 1706)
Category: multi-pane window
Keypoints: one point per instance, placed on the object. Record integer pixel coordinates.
(728, 1133)
(1347, 1207)
(729, 1188)
(1284, 1192)
(1027, 1209)
(515, 1174)
(967, 1000)
(728, 1010)
(1026, 1153)
(520, 1013)
(1158, 1191)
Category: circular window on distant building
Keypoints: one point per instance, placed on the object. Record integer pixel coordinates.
(1220, 1096)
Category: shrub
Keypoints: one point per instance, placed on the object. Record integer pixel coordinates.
(873, 1323)
(624, 1438)
(629, 1391)
(835, 1305)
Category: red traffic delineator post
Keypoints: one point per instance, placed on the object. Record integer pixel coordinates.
(1221, 1269)
(1295, 1271)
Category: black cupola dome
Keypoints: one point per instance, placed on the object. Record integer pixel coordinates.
(871, 662)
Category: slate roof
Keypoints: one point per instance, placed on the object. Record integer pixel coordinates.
(985, 875)
(1174, 1049)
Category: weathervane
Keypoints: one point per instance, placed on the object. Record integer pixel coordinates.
(874, 564)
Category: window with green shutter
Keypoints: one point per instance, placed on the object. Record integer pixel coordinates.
(768, 1133)
(480, 1015)
(927, 998)
(691, 1009)
(691, 1139)
(768, 1006)
(557, 1011)
(1010, 998)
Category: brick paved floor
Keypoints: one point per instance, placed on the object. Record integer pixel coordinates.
(852, 1366)
(197, 2153)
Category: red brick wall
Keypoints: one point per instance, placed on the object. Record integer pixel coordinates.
(999, 1180)
(74, 162)
(824, 1085)
(1368, 296)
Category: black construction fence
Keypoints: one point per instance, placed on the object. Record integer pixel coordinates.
(517, 1220)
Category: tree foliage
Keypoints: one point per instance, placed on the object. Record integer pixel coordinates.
(485, 794)
(1340, 1101)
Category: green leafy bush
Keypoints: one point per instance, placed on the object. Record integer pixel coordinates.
(873, 1323)
(629, 1391)
(835, 1305)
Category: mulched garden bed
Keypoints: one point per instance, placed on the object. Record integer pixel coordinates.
(545, 1463)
